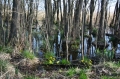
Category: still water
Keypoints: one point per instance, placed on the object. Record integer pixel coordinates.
(38, 42)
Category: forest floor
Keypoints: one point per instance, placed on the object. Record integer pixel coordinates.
(22, 68)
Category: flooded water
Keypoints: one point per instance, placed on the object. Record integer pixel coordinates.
(38, 42)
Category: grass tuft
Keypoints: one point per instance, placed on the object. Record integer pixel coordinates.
(27, 54)
(71, 72)
(3, 65)
(82, 75)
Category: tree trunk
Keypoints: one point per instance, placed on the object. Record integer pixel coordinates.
(92, 7)
(48, 21)
(15, 26)
(77, 14)
(1, 23)
(102, 20)
(30, 23)
(7, 22)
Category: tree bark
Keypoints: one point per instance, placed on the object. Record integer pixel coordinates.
(92, 7)
(30, 23)
(1, 23)
(102, 20)
(15, 26)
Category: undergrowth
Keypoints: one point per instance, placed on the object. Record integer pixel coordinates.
(3, 65)
(6, 49)
(27, 54)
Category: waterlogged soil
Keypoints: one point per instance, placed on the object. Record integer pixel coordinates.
(39, 70)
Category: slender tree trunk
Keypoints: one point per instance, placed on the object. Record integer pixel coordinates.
(30, 21)
(65, 17)
(92, 7)
(7, 21)
(22, 26)
(83, 25)
(119, 18)
(48, 21)
(5, 8)
(1, 23)
(98, 14)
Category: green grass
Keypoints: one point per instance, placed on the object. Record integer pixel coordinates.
(3, 65)
(82, 75)
(109, 77)
(109, 54)
(71, 72)
(6, 49)
(27, 54)
(87, 62)
(30, 77)
(49, 58)
(117, 64)
(64, 62)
